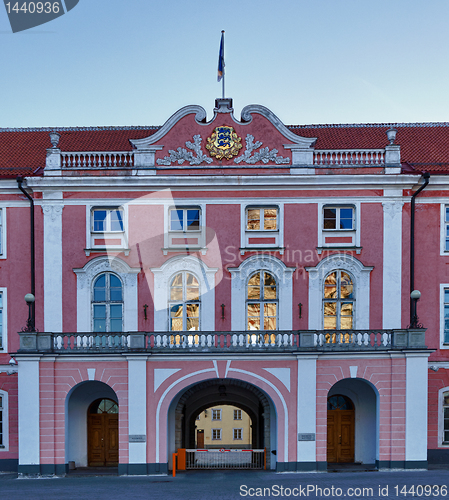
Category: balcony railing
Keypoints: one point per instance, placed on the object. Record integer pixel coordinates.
(207, 342)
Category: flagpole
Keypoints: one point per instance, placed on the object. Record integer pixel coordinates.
(223, 79)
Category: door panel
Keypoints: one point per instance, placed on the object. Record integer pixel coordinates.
(340, 436)
(102, 431)
(200, 439)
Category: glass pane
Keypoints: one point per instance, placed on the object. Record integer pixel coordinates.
(100, 288)
(115, 288)
(191, 280)
(446, 417)
(447, 214)
(116, 220)
(254, 287)
(330, 218)
(346, 286)
(176, 293)
(116, 311)
(346, 216)
(270, 286)
(116, 325)
(446, 436)
(1, 300)
(446, 399)
(177, 280)
(176, 220)
(253, 316)
(330, 286)
(176, 318)
(253, 222)
(99, 325)
(1, 406)
(446, 295)
(99, 311)
(100, 220)
(270, 316)
(193, 324)
(193, 293)
(270, 219)
(193, 220)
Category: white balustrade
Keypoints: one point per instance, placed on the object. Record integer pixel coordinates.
(95, 159)
(349, 157)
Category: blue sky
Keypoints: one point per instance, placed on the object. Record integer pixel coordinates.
(135, 62)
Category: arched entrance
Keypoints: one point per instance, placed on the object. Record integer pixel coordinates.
(102, 433)
(220, 393)
(340, 429)
(83, 399)
(353, 422)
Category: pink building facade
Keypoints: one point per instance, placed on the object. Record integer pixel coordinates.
(224, 261)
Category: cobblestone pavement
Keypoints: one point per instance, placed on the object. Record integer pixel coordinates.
(204, 485)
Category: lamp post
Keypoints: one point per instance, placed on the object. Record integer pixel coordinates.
(415, 296)
(29, 299)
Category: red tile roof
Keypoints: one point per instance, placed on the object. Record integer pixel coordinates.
(424, 146)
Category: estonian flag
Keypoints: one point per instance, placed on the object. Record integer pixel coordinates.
(221, 63)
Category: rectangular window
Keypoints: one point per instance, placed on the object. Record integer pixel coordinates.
(338, 218)
(446, 228)
(1, 322)
(262, 219)
(107, 220)
(1, 231)
(238, 434)
(185, 219)
(446, 316)
(216, 434)
(237, 414)
(1, 422)
(216, 414)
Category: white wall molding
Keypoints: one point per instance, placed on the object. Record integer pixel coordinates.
(137, 406)
(392, 264)
(53, 266)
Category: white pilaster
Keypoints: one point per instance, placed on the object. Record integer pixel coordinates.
(392, 261)
(28, 390)
(416, 413)
(306, 407)
(137, 407)
(53, 266)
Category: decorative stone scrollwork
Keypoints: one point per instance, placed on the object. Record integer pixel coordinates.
(392, 208)
(264, 155)
(181, 154)
(52, 211)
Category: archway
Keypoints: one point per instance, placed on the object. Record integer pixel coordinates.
(79, 402)
(359, 397)
(223, 392)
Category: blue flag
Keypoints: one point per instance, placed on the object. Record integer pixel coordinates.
(221, 63)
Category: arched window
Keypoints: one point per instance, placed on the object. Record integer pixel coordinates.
(262, 302)
(184, 303)
(446, 417)
(107, 303)
(338, 301)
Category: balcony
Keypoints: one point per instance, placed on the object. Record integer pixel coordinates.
(265, 342)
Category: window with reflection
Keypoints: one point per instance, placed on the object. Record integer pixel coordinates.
(339, 402)
(185, 219)
(184, 303)
(104, 406)
(1, 420)
(446, 417)
(107, 303)
(262, 219)
(339, 218)
(262, 302)
(338, 301)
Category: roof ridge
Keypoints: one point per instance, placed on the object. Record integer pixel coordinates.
(76, 129)
(371, 125)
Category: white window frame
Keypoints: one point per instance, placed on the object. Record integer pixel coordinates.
(170, 235)
(338, 301)
(184, 301)
(261, 301)
(237, 430)
(91, 235)
(361, 281)
(216, 411)
(107, 302)
(441, 418)
(5, 421)
(239, 279)
(443, 225)
(443, 286)
(4, 331)
(162, 279)
(2, 232)
(84, 283)
(238, 413)
(219, 434)
(246, 234)
(354, 233)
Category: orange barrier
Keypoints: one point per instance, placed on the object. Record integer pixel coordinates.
(181, 459)
(174, 464)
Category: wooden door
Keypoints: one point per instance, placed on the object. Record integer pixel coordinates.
(200, 438)
(340, 431)
(102, 437)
